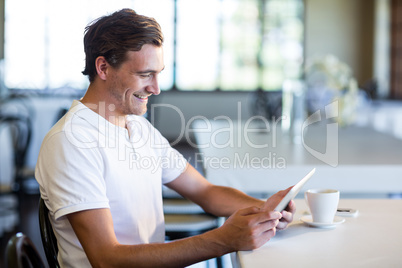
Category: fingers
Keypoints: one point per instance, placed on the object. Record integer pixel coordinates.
(250, 228)
(287, 216)
(267, 226)
(284, 222)
(260, 219)
(262, 238)
(257, 214)
(263, 226)
(291, 207)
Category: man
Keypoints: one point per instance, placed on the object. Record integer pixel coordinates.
(105, 207)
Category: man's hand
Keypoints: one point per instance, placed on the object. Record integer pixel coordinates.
(248, 228)
(287, 213)
(287, 216)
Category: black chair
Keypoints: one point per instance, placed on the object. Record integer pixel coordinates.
(15, 134)
(22, 253)
(49, 240)
(21, 127)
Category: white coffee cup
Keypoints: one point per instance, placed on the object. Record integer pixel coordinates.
(323, 204)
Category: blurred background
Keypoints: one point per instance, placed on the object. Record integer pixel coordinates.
(234, 58)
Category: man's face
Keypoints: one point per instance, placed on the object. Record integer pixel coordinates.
(135, 80)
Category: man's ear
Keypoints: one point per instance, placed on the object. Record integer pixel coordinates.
(101, 67)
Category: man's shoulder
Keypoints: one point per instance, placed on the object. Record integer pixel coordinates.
(72, 125)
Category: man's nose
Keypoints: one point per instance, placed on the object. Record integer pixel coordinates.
(154, 87)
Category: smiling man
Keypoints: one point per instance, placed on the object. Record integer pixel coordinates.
(126, 89)
(107, 212)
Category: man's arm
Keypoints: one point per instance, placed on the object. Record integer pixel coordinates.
(245, 230)
(224, 201)
(249, 227)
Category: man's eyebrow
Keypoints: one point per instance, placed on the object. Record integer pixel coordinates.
(149, 71)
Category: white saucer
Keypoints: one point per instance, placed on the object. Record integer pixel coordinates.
(309, 221)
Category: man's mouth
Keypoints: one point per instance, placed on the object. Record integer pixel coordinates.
(143, 97)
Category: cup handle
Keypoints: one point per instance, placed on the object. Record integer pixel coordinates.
(306, 200)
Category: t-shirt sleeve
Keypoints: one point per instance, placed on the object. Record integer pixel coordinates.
(71, 174)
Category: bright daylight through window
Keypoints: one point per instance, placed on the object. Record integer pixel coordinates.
(209, 44)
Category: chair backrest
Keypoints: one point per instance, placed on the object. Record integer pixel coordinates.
(49, 240)
(7, 163)
(22, 126)
(21, 129)
(22, 253)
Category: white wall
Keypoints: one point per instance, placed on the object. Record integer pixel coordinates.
(343, 28)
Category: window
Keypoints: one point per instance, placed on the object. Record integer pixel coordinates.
(396, 50)
(209, 44)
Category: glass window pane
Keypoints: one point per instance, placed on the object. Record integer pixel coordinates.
(282, 53)
(48, 50)
(220, 44)
(64, 57)
(240, 45)
(197, 44)
(24, 44)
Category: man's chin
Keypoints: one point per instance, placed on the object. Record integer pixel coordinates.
(140, 112)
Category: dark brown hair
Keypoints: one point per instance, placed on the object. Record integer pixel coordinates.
(114, 35)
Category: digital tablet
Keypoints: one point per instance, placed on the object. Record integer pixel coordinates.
(293, 192)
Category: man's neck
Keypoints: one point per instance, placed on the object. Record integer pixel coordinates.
(98, 102)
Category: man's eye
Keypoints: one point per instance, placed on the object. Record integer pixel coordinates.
(146, 75)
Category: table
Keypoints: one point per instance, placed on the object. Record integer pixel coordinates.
(372, 239)
(255, 157)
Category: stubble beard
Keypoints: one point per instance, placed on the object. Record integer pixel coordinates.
(124, 104)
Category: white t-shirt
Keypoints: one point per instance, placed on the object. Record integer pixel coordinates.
(85, 162)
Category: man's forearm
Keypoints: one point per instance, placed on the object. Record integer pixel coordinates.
(246, 229)
(94, 229)
(224, 201)
(217, 200)
(179, 253)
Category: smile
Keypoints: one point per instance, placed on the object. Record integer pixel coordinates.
(140, 96)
